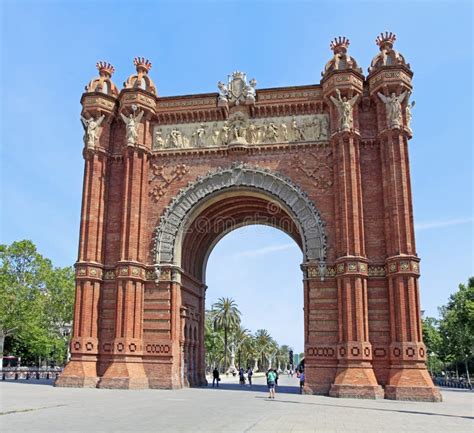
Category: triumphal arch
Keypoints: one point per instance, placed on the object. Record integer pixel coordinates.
(166, 177)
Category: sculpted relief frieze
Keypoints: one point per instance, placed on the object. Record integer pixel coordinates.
(240, 129)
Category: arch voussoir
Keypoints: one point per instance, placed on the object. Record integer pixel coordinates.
(273, 183)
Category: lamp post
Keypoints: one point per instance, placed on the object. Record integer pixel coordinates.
(66, 333)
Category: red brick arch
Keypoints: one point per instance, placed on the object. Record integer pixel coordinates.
(166, 177)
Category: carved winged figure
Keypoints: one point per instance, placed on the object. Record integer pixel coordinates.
(393, 108)
(344, 108)
(91, 128)
(132, 122)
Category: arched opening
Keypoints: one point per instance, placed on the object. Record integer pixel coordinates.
(257, 267)
(206, 211)
(210, 221)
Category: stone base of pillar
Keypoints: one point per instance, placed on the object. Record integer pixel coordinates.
(414, 393)
(357, 391)
(316, 389)
(411, 383)
(124, 375)
(356, 381)
(202, 381)
(78, 374)
(318, 378)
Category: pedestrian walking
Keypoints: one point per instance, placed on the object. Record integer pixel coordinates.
(276, 377)
(241, 376)
(301, 382)
(249, 375)
(271, 383)
(215, 377)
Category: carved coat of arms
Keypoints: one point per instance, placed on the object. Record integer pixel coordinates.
(238, 90)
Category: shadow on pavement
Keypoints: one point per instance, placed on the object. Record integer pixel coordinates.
(281, 389)
(411, 412)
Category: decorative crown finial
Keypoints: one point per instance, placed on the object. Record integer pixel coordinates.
(340, 44)
(142, 64)
(105, 69)
(386, 39)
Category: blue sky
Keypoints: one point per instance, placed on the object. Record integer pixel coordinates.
(49, 50)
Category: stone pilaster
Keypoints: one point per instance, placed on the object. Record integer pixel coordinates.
(355, 376)
(321, 330)
(408, 377)
(126, 369)
(98, 107)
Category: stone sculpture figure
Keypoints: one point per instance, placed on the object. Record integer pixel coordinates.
(344, 109)
(223, 91)
(409, 114)
(393, 108)
(324, 128)
(131, 123)
(296, 132)
(284, 132)
(215, 135)
(250, 92)
(238, 130)
(316, 128)
(252, 134)
(199, 136)
(175, 138)
(271, 132)
(224, 134)
(91, 128)
(159, 142)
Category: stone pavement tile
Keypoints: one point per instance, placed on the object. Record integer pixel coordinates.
(229, 410)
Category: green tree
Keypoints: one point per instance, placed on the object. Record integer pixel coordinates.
(22, 272)
(434, 343)
(58, 309)
(213, 342)
(282, 356)
(35, 302)
(265, 344)
(226, 316)
(239, 336)
(457, 324)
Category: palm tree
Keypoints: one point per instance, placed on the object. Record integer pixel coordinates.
(239, 336)
(226, 316)
(283, 356)
(213, 343)
(264, 342)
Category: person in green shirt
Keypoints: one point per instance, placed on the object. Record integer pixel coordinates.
(271, 377)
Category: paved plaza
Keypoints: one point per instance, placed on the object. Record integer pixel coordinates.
(36, 406)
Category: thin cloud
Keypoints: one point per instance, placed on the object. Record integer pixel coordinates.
(446, 223)
(264, 251)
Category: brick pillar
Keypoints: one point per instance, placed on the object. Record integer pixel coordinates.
(126, 367)
(355, 376)
(201, 366)
(408, 376)
(82, 368)
(320, 318)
